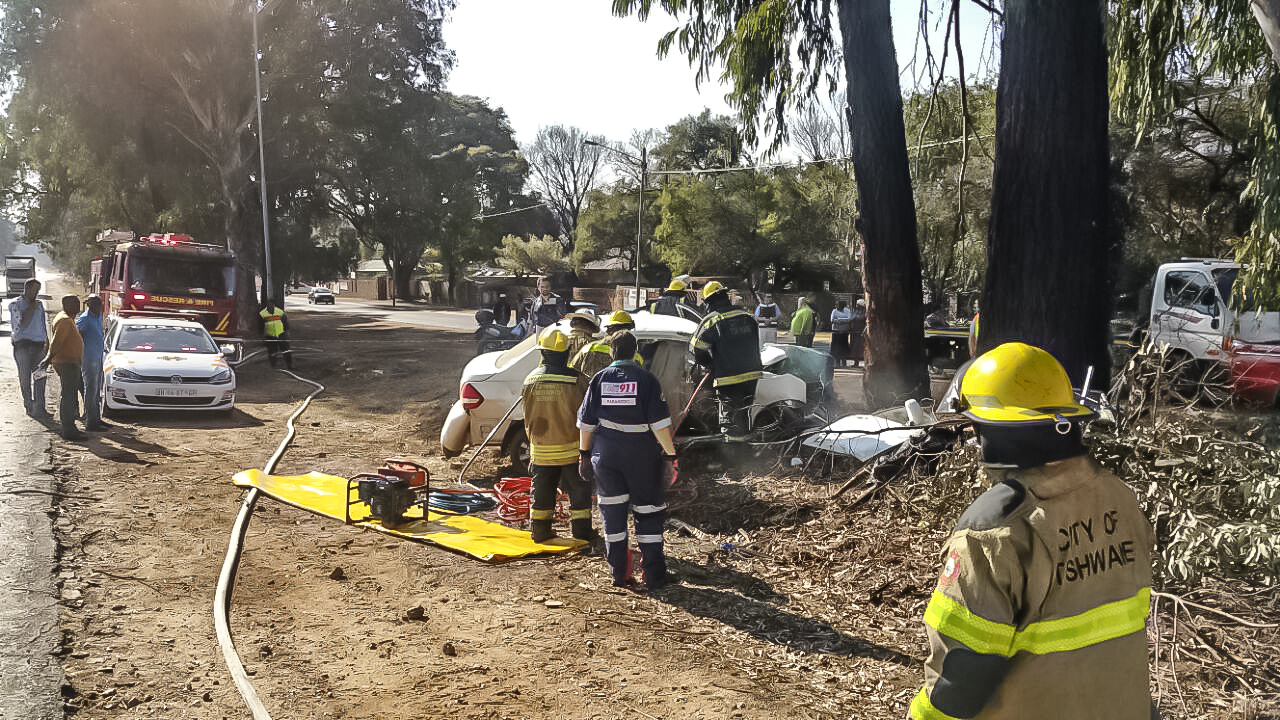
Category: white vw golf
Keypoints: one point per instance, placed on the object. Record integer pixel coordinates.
(163, 364)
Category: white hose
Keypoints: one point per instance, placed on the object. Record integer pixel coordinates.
(227, 578)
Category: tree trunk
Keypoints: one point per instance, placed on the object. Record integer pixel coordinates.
(246, 243)
(1051, 237)
(891, 259)
(1267, 12)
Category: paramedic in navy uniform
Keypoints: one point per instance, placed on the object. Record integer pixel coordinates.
(625, 441)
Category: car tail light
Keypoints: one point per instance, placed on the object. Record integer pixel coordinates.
(471, 397)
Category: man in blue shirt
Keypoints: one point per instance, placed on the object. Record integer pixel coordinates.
(89, 323)
(625, 442)
(30, 335)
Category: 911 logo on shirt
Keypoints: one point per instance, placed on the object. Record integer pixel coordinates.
(622, 388)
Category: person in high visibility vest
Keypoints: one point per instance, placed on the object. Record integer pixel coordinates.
(1040, 609)
(803, 325)
(551, 395)
(583, 328)
(275, 333)
(595, 357)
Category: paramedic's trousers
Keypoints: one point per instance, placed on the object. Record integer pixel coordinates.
(628, 469)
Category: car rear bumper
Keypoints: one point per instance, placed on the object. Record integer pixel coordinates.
(456, 430)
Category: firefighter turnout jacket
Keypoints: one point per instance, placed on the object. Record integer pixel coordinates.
(1040, 610)
(728, 342)
(595, 357)
(551, 399)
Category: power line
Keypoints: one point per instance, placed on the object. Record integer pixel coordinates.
(510, 212)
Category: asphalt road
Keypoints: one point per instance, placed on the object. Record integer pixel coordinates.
(407, 313)
(30, 675)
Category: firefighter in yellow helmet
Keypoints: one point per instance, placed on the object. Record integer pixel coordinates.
(551, 395)
(727, 343)
(595, 357)
(1040, 609)
(670, 301)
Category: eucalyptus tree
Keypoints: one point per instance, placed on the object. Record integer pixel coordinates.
(1159, 46)
(775, 55)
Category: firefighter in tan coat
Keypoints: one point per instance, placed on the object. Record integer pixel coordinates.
(551, 395)
(1040, 609)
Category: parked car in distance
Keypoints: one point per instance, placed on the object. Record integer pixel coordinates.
(320, 296)
(491, 384)
(298, 289)
(165, 364)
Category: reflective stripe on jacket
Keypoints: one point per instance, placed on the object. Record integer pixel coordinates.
(595, 357)
(551, 400)
(1040, 609)
(272, 321)
(728, 343)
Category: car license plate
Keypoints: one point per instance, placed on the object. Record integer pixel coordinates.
(176, 392)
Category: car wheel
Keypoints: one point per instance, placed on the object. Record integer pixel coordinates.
(778, 421)
(516, 448)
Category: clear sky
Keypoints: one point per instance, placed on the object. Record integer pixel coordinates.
(570, 62)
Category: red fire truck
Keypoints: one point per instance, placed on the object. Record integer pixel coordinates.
(168, 275)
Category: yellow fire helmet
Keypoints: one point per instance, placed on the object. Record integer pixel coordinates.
(711, 288)
(675, 285)
(619, 317)
(554, 340)
(1017, 383)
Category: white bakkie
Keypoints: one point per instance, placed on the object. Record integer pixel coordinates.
(1192, 310)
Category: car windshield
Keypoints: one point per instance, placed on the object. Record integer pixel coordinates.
(1226, 280)
(166, 339)
(508, 356)
(181, 276)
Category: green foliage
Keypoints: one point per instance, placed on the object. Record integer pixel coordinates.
(952, 163)
(532, 255)
(752, 225)
(141, 115)
(773, 54)
(1211, 490)
(701, 142)
(1156, 47)
(607, 227)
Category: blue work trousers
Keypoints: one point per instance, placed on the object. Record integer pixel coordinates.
(628, 468)
(91, 371)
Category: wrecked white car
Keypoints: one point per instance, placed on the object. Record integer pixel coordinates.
(491, 383)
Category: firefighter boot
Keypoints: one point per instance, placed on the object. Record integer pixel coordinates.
(540, 530)
(582, 529)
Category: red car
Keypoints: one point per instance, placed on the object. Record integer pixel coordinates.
(1255, 372)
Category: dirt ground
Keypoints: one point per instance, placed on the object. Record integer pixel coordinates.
(149, 506)
(788, 605)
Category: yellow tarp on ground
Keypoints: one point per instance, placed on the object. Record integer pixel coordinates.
(326, 495)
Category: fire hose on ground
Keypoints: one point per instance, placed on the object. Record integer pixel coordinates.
(227, 577)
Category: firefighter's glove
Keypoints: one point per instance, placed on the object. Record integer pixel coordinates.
(670, 470)
(585, 470)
